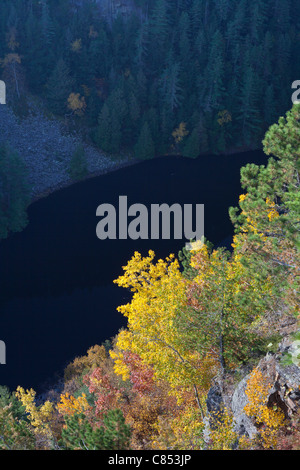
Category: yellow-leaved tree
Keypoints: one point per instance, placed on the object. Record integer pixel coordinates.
(40, 417)
(159, 291)
(69, 405)
(76, 104)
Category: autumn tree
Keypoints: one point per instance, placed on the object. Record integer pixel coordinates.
(70, 405)
(76, 45)
(269, 419)
(76, 104)
(40, 417)
(149, 402)
(158, 293)
(106, 389)
(179, 134)
(95, 357)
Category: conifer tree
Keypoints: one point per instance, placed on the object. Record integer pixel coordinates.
(268, 223)
(182, 56)
(249, 115)
(14, 192)
(59, 87)
(79, 434)
(144, 148)
(78, 164)
(103, 136)
(192, 147)
(111, 124)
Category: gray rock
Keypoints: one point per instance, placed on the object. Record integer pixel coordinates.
(243, 424)
(284, 392)
(46, 149)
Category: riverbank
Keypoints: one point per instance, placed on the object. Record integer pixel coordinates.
(47, 148)
(92, 174)
(116, 165)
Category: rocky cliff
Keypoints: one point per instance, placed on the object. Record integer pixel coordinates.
(283, 393)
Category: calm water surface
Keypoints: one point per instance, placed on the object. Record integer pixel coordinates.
(57, 296)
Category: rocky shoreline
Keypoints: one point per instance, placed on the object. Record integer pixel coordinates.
(91, 174)
(47, 149)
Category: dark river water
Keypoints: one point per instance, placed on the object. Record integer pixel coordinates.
(57, 296)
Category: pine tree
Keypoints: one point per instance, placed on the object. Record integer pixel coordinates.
(171, 87)
(151, 116)
(14, 192)
(142, 44)
(78, 164)
(192, 147)
(159, 21)
(270, 108)
(211, 84)
(267, 226)
(223, 8)
(111, 131)
(59, 87)
(183, 55)
(159, 29)
(39, 59)
(144, 148)
(103, 135)
(15, 433)
(249, 114)
(46, 23)
(79, 434)
(184, 27)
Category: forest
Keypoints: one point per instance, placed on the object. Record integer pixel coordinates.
(184, 77)
(188, 76)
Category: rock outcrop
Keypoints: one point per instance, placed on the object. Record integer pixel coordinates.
(284, 392)
(46, 149)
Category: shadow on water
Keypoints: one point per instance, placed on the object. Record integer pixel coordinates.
(57, 297)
